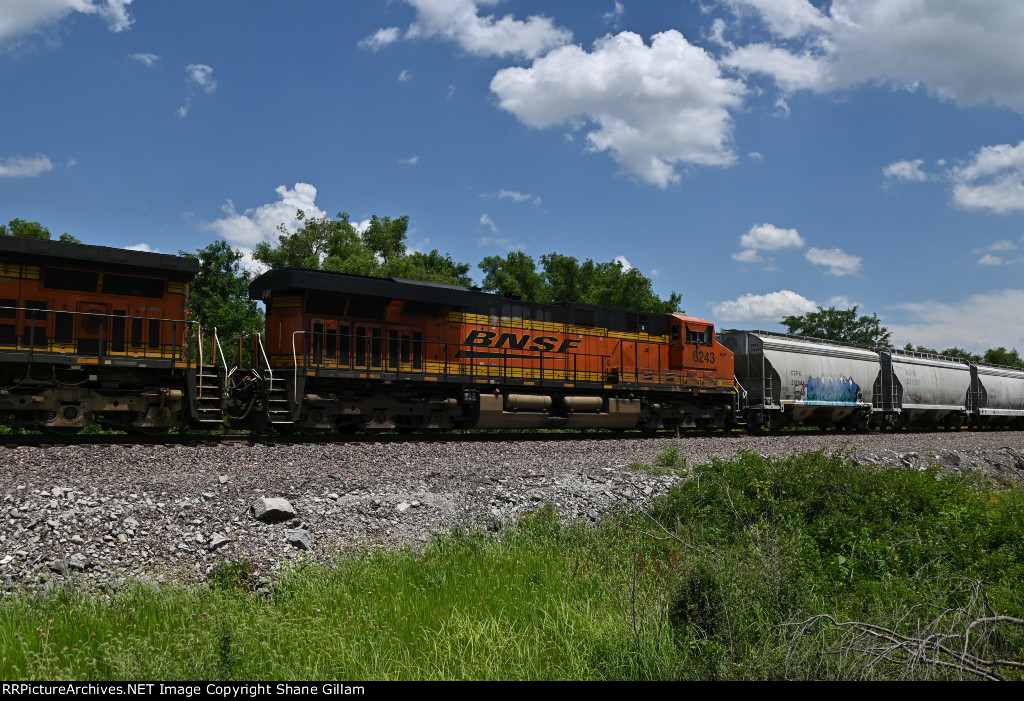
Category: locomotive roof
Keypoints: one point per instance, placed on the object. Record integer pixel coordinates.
(283, 281)
(81, 255)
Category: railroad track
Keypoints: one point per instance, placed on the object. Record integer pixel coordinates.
(47, 440)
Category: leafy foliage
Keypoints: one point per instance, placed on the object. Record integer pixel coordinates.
(219, 295)
(380, 250)
(564, 279)
(842, 325)
(32, 230)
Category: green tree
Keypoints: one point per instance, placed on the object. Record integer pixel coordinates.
(515, 275)
(32, 230)
(564, 279)
(25, 230)
(380, 251)
(219, 295)
(843, 325)
(1001, 356)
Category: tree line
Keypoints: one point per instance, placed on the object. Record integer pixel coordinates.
(220, 292)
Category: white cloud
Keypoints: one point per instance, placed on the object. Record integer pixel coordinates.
(756, 156)
(485, 220)
(970, 53)
(515, 196)
(996, 319)
(785, 18)
(905, 172)
(748, 255)
(21, 167)
(612, 17)
(381, 38)
(837, 261)
(989, 259)
(144, 247)
(149, 60)
(993, 180)
(451, 92)
(791, 71)
(253, 226)
(405, 76)
(459, 21)
(768, 308)
(1003, 245)
(201, 77)
(414, 160)
(18, 17)
(655, 106)
(768, 237)
(499, 242)
(626, 265)
(841, 302)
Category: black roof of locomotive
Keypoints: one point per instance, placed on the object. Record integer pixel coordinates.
(283, 281)
(81, 255)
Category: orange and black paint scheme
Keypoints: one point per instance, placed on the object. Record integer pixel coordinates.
(96, 335)
(345, 352)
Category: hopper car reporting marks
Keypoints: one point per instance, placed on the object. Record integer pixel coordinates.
(346, 352)
(95, 335)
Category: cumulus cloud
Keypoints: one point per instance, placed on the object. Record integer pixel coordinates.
(19, 17)
(970, 53)
(655, 107)
(989, 259)
(411, 161)
(993, 180)
(768, 308)
(996, 319)
(837, 261)
(460, 21)
(766, 237)
(245, 230)
(21, 167)
(905, 172)
(380, 38)
(144, 247)
(405, 76)
(626, 265)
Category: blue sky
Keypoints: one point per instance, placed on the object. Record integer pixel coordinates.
(757, 156)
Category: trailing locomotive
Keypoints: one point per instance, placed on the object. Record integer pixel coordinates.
(94, 335)
(343, 352)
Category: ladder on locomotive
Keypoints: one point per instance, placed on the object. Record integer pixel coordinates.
(209, 386)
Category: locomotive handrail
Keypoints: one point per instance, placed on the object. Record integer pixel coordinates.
(224, 362)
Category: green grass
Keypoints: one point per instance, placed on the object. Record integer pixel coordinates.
(704, 586)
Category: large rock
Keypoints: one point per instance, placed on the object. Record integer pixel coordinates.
(300, 538)
(272, 509)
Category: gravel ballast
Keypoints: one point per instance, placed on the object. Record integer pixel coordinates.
(102, 516)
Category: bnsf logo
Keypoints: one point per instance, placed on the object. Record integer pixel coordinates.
(543, 344)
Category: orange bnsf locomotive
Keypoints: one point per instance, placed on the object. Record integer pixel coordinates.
(346, 352)
(95, 335)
